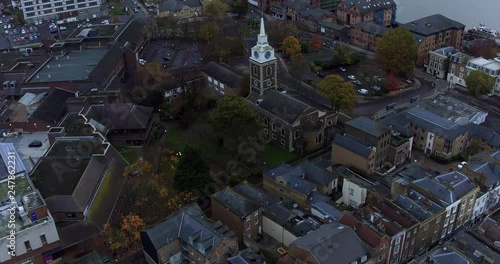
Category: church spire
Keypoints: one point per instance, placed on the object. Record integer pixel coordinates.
(262, 38)
(262, 29)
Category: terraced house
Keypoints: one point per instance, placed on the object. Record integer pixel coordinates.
(352, 12)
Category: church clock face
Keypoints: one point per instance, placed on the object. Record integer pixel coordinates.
(267, 55)
(256, 54)
(255, 82)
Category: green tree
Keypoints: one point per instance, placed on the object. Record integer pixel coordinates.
(344, 55)
(298, 65)
(233, 119)
(192, 172)
(398, 51)
(479, 83)
(152, 74)
(340, 92)
(474, 147)
(291, 46)
(315, 43)
(278, 31)
(239, 7)
(210, 30)
(216, 8)
(20, 17)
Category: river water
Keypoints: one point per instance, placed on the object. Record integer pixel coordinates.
(468, 12)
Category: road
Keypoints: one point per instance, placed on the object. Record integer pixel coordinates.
(142, 15)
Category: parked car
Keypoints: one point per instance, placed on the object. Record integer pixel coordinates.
(377, 88)
(342, 69)
(142, 61)
(35, 144)
(136, 10)
(408, 81)
(351, 77)
(357, 82)
(363, 91)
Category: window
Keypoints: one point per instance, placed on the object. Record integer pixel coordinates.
(70, 2)
(30, 14)
(257, 221)
(59, 9)
(297, 134)
(43, 239)
(58, 4)
(265, 131)
(70, 7)
(222, 88)
(274, 136)
(351, 191)
(283, 142)
(255, 72)
(82, 5)
(282, 132)
(70, 216)
(209, 79)
(28, 3)
(27, 245)
(265, 121)
(247, 219)
(268, 70)
(93, 4)
(30, 9)
(273, 126)
(248, 227)
(426, 227)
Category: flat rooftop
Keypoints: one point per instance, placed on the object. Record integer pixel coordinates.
(75, 66)
(26, 198)
(94, 31)
(58, 176)
(76, 148)
(74, 125)
(452, 109)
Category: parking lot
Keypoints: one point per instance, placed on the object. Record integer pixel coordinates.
(29, 156)
(17, 35)
(174, 54)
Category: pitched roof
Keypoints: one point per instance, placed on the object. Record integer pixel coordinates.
(224, 73)
(279, 105)
(120, 115)
(365, 232)
(353, 144)
(303, 176)
(372, 28)
(433, 24)
(434, 123)
(344, 246)
(251, 192)
(189, 224)
(395, 214)
(52, 109)
(487, 135)
(236, 203)
(316, 13)
(328, 210)
(175, 5)
(366, 6)
(369, 126)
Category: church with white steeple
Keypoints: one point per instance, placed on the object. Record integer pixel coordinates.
(263, 64)
(290, 119)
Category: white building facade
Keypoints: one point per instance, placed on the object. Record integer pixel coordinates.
(491, 67)
(63, 11)
(353, 194)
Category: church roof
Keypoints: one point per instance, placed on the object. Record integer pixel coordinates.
(279, 105)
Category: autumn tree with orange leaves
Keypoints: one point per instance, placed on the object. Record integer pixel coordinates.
(315, 43)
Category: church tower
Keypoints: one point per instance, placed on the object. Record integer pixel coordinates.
(263, 64)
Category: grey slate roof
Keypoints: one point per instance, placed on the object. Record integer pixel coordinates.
(316, 13)
(52, 109)
(223, 73)
(491, 170)
(279, 214)
(255, 194)
(445, 51)
(487, 135)
(175, 5)
(297, 5)
(459, 184)
(328, 210)
(434, 123)
(303, 176)
(433, 24)
(441, 256)
(366, 6)
(353, 144)
(343, 245)
(414, 205)
(279, 105)
(121, 115)
(236, 203)
(188, 224)
(372, 28)
(316, 197)
(369, 126)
